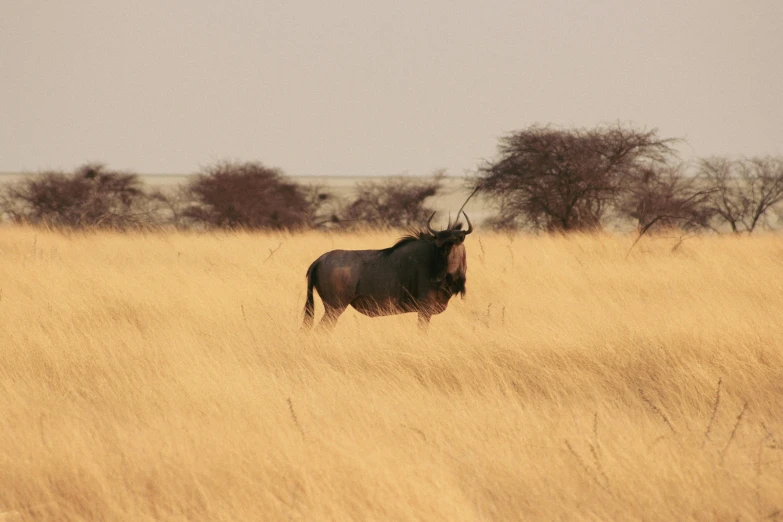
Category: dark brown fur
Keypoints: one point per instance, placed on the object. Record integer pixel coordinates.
(419, 273)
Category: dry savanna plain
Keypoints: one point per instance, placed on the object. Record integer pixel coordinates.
(164, 376)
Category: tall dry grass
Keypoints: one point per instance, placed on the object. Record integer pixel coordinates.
(164, 377)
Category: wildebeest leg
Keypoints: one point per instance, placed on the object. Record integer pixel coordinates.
(331, 314)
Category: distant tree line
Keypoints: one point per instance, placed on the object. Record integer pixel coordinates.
(226, 195)
(578, 179)
(544, 178)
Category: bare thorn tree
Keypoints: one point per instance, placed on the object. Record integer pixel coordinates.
(743, 191)
(396, 202)
(663, 196)
(324, 206)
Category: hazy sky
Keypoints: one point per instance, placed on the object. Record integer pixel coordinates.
(375, 88)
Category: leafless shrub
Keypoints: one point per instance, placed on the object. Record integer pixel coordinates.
(397, 202)
(662, 196)
(743, 191)
(169, 207)
(90, 197)
(324, 207)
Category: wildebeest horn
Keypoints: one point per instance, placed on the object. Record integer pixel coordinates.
(429, 228)
(470, 226)
(466, 201)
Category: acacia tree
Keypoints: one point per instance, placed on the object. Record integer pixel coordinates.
(743, 191)
(563, 180)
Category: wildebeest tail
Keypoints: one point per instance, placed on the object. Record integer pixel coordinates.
(309, 309)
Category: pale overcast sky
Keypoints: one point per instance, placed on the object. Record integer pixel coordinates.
(375, 88)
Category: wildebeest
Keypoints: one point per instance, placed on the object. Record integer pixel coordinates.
(419, 273)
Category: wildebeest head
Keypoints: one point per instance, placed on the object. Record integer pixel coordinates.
(452, 265)
(453, 233)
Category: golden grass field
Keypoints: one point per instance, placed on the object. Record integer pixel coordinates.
(164, 377)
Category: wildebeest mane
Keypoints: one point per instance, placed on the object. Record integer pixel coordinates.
(416, 235)
(413, 235)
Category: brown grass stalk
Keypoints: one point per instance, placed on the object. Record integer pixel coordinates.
(657, 411)
(734, 430)
(714, 413)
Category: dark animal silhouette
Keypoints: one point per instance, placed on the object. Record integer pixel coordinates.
(419, 274)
